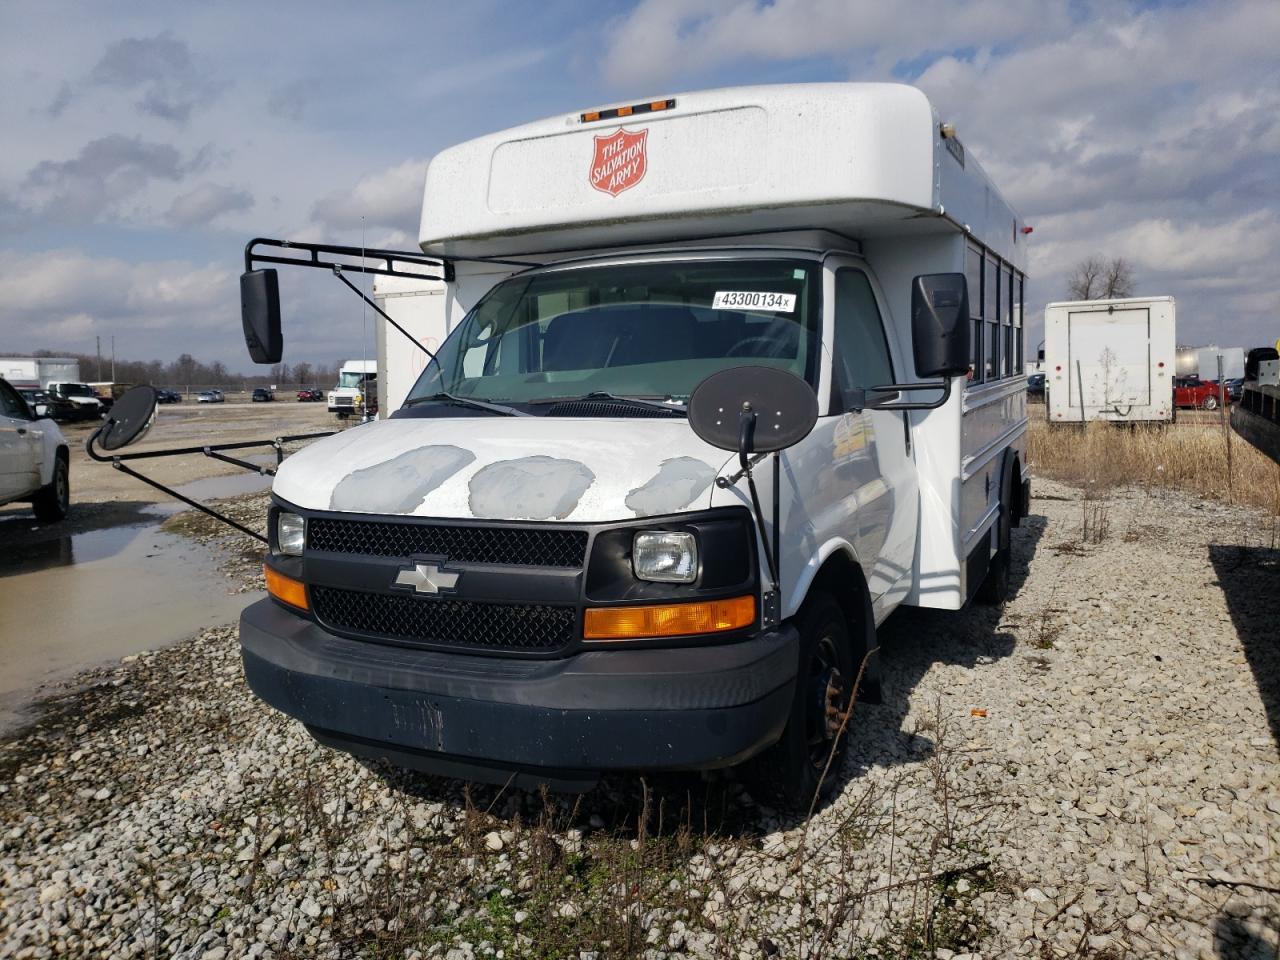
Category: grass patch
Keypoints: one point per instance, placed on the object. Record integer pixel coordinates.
(1192, 458)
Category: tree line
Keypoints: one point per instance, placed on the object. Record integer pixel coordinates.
(187, 370)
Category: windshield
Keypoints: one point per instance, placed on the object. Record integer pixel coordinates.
(640, 330)
(349, 379)
(77, 390)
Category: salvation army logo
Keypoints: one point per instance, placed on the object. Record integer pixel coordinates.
(620, 161)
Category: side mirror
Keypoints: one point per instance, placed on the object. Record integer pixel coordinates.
(42, 411)
(129, 420)
(940, 324)
(752, 409)
(260, 314)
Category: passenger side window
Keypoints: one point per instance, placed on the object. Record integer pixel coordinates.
(12, 405)
(861, 350)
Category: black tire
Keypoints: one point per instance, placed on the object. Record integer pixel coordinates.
(806, 761)
(1210, 403)
(995, 585)
(51, 502)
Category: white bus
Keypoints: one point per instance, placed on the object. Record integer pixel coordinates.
(1110, 360)
(545, 562)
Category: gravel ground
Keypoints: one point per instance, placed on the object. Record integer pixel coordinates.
(1091, 771)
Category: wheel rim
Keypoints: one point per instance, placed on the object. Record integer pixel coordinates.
(826, 699)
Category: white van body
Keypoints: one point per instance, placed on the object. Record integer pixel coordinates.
(1110, 360)
(858, 186)
(38, 372)
(346, 396)
(419, 307)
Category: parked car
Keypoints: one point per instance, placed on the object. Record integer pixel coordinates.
(82, 400)
(209, 396)
(1196, 393)
(311, 396)
(34, 458)
(168, 396)
(1035, 387)
(1235, 387)
(262, 395)
(55, 407)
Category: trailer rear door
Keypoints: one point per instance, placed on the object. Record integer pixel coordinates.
(1110, 358)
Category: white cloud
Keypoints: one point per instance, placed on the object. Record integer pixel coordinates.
(106, 174)
(207, 201)
(388, 199)
(665, 39)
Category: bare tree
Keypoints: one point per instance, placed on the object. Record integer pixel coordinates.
(1095, 278)
(1119, 279)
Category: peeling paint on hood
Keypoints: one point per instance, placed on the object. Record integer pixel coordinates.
(678, 482)
(517, 468)
(401, 483)
(533, 488)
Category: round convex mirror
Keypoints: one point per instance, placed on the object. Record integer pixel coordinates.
(785, 408)
(129, 419)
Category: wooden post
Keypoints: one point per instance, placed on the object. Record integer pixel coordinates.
(1226, 426)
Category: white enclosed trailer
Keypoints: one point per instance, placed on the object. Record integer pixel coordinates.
(511, 507)
(1110, 360)
(39, 372)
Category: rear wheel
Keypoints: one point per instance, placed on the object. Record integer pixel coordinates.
(1210, 402)
(52, 501)
(805, 763)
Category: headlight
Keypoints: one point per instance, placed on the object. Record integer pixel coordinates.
(291, 533)
(665, 557)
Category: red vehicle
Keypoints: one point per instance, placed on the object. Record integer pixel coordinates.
(1197, 393)
(310, 396)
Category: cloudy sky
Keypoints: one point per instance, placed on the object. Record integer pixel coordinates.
(143, 144)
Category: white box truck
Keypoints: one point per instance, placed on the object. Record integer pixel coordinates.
(1110, 360)
(347, 395)
(708, 387)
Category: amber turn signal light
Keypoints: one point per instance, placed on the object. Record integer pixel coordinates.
(668, 619)
(286, 589)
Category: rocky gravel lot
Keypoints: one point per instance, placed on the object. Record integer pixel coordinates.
(1089, 772)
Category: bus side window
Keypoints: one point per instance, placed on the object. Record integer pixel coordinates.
(861, 350)
(973, 275)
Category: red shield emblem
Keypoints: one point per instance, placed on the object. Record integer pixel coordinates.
(620, 161)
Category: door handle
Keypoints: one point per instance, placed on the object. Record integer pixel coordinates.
(22, 431)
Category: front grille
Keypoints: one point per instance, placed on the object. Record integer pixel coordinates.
(519, 546)
(534, 628)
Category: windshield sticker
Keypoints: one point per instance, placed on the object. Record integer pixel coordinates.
(754, 300)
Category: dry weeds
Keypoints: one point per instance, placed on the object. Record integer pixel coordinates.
(1187, 457)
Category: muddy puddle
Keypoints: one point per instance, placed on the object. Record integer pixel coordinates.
(73, 601)
(230, 485)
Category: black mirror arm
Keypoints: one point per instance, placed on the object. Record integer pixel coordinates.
(944, 385)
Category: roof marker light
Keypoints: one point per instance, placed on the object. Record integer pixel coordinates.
(653, 106)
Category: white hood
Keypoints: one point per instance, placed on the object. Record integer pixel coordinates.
(507, 468)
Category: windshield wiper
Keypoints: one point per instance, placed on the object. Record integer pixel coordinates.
(443, 397)
(605, 395)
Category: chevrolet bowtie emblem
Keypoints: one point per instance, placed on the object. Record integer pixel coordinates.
(427, 577)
